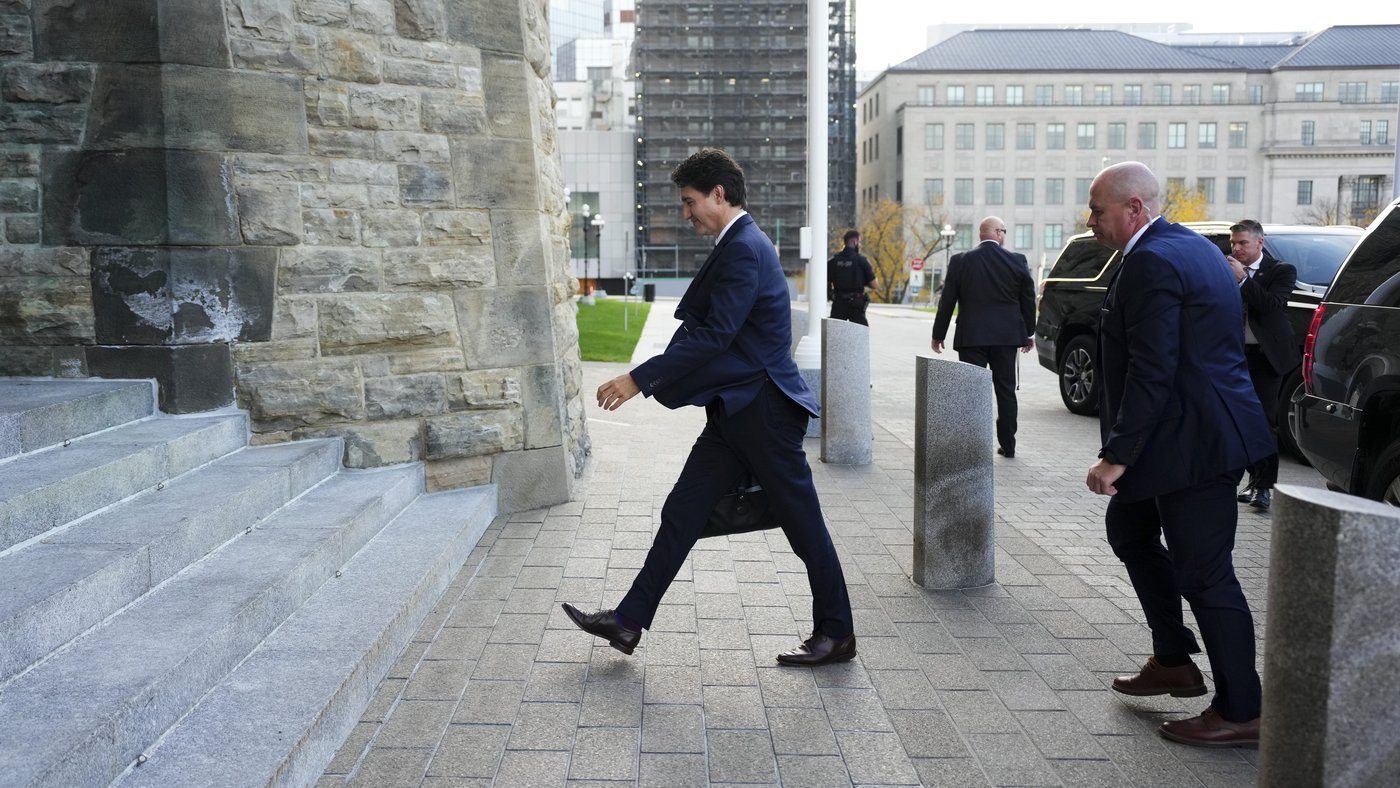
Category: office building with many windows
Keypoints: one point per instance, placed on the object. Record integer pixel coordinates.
(1017, 122)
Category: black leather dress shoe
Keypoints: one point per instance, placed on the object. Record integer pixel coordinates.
(1262, 500)
(820, 650)
(1007, 454)
(1247, 494)
(604, 624)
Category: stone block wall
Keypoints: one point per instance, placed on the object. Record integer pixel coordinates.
(345, 215)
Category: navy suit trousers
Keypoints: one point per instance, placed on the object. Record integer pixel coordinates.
(1001, 360)
(1198, 524)
(764, 440)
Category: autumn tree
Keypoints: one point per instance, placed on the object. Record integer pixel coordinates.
(892, 234)
(1182, 204)
(1325, 211)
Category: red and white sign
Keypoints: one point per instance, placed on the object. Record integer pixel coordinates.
(916, 264)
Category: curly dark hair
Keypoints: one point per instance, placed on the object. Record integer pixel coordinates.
(708, 168)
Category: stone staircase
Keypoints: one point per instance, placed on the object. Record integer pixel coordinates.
(178, 608)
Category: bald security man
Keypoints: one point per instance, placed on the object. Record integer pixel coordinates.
(1180, 422)
(994, 296)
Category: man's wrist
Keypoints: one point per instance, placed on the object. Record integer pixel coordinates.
(1109, 457)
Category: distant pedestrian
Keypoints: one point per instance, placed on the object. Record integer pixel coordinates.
(848, 274)
(993, 293)
(731, 357)
(1270, 349)
(1179, 423)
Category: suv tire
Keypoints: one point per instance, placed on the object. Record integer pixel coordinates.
(1384, 485)
(1079, 382)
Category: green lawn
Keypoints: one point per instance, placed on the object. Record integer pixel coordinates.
(600, 334)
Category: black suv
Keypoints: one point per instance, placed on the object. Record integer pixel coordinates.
(1067, 327)
(1348, 419)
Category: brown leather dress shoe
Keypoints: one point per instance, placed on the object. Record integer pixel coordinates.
(604, 624)
(1212, 730)
(1185, 681)
(820, 650)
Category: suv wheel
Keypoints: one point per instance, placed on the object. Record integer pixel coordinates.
(1385, 481)
(1288, 419)
(1079, 386)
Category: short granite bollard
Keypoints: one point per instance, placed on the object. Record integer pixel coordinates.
(813, 379)
(848, 436)
(1332, 644)
(954, 500)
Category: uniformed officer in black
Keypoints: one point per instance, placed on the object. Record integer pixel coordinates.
(847, 276)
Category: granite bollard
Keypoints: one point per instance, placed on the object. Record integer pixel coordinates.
(1332, 649)
(954, 500)
(848, 436)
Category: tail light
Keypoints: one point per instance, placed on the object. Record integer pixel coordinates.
(1310, 345)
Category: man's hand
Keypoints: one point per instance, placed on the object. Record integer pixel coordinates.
(937, 345)
(612, 394)
(1237, 268)
(1102, 476)
(1030, 345)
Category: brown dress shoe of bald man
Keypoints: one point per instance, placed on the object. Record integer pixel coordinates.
(1185, 681)
(1211, 730)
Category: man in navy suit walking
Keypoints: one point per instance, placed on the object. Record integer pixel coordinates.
(731, 357)
(1179, 421)
(992, 291)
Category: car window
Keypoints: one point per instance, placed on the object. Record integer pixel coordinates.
(1375, 261)
(1082, 259)
(1317, 257)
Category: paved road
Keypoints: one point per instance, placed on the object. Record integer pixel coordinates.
(1005, 685)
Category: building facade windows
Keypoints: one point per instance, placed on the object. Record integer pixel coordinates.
(1074, 95)
(1044, 95)
(1103, 95)
(1256, 94)
(996, 136)
(996, 192)
(1219, 94)
(1190, 94)
(1054, 236)
(933, 191)
(1365, 132)
(1307, 91)
(933, 136)
(1132, 94)
(1390, 91)
(1025, 136)
(1015, 95)
(955, 95)
(1176, 135)
(1206, 188)
(962, 191)
(927, 95)
(1054, 191)
(1205, 135)
(1308, 131)
(1055, 136)
(1351, 92)
(1025, 236)
(1081, 190)
(986, 95)
(1234, 191)
(1161, 94)
(962, 236)
(1305, 192)
(1025, 191)
(1147, 136)
(1239, 135)
(1382, 132)
(1117, 136)
(1084, 136)
(963, 136)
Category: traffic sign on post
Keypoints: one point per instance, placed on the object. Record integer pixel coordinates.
(916, 264)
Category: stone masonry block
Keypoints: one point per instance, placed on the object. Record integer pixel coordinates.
(46, 83)
(426, 185)
(308, 270)
(473, 433)
(505, 80)
(372, 16)
(456, 266)
(544, 407)
(487, 388)
(324, 13)
(384, 107)
(16, 36)
(330, 227)
(846, 423)
(327, 103)
(189, 378)
(353, 57)
(269, 213)
(23, 229)
(502, 327)
(19, 164)
(421, 19)
(458, 473)
(486, 24)
(374, 444)
(45, 310)
(394, 228)
(387, 321)
(453, 112)
(405, 396)
(219, 109)
(298, 56)
(420, 74)
(457, 228)
(428, 360)
(412, 147)
(532, 479)
(120, 31)
(41, 124)
(268, 19)
(19, 196)
(290, 395)
(492, 173)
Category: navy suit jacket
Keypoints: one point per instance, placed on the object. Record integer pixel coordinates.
(1178, 406)
(994, 295)
(736, 330)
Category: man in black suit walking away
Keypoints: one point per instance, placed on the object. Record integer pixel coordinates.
(847, 276)
(1270, 348)
(1179, 423)
(994, 294)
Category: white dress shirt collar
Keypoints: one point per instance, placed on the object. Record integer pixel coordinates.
(731, 224)
(1137, 235)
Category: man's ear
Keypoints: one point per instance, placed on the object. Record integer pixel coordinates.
(718, 192)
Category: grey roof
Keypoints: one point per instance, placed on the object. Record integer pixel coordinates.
(1348, 46)
(1358, 46)
(1252, 57)
(1056, 50)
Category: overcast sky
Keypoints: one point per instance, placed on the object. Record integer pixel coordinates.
(892, 31)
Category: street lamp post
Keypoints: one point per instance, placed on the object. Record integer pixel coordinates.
(597, 247)
(585, 211)
(947, 233)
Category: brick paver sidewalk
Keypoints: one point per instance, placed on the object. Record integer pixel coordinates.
(1005, 685)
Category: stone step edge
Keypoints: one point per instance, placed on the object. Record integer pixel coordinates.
(86, 590)
(146, 410)
(192, 751)
(61, 527)
(98, 751)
